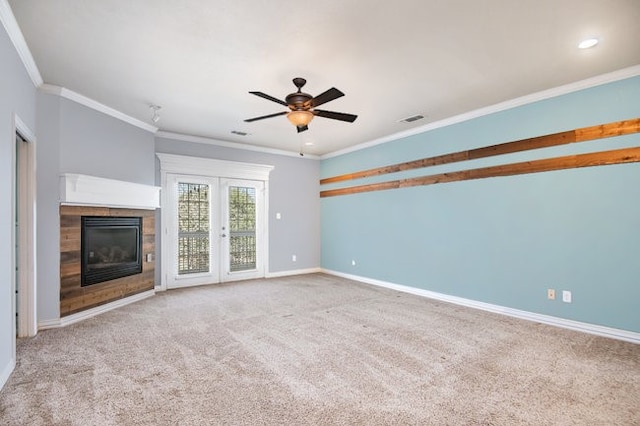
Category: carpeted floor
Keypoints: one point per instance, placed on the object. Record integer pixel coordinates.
(317, 350)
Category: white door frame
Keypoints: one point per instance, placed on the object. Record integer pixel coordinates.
(197, 166)
(25, 163)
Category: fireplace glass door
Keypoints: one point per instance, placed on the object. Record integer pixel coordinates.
(111, 247)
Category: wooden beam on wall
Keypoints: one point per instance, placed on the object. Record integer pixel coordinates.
(584, 134)
(616, 156)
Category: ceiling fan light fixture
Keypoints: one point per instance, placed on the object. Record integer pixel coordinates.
(300, 118)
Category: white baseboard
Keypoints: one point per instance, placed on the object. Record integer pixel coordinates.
(614, 333)
(80, 316)
(293, 272)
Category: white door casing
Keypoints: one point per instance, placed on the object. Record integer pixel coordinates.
(218, 174)
(24, 197)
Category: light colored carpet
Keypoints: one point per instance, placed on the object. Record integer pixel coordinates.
(317, 350)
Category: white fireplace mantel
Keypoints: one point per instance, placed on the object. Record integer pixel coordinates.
(76, 189)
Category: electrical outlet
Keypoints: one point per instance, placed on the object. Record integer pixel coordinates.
(551, 294)
(566, 296)
(294, 258)
(353, 263)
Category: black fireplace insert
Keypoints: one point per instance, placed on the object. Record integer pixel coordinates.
(111, 248)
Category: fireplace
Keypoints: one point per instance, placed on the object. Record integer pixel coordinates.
(111, 248)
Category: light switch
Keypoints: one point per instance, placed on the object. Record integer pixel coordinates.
(278, 216)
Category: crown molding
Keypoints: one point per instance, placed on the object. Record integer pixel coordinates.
(17, 38)
(234, 145)
(15, 34)
(95, 105)
(611, 77)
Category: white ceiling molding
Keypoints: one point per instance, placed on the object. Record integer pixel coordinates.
(186, 165)
(502, 106)
(95, 105)
(235, 145)
(15, 34)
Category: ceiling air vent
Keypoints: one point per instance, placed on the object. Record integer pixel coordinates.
(412, 119)
(239, 133)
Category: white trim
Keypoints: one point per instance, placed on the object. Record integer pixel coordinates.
(76, 189)
(293, 272)
(598, 330)
(24, 130)
(234, 145)
(95, 105)
(13, 257)
(17, 38)
(6, 373)
(89, 313)
(185, 165)
(502, 106)
(27, 290)
(48, 324)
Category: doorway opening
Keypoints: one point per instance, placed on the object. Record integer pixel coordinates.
(24, 235)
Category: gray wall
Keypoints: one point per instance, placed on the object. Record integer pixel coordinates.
(77, 139)
(96, 144)
(17, 95)
(48, 224)
(293, 192)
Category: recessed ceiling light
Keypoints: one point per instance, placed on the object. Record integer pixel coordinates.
(308, 143)
(588, 43)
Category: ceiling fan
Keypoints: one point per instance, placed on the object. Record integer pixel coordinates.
(302, 106)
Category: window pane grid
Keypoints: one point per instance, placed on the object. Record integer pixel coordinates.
(242, 227)
(193, 228)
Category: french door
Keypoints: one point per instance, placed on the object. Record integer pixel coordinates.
(215, 230)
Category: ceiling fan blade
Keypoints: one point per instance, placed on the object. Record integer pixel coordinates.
(335, 115)
(302, 128)
(271, 98)
(249, 120)
(325, 97)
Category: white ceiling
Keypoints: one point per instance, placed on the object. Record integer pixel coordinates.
(393, 59)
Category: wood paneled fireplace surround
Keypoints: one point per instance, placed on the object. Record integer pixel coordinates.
(74, 297)
(79, 290)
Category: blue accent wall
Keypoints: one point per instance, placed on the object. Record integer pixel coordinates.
(503, 240)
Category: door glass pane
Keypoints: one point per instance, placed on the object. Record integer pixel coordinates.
(193, 228)
(242, 228)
